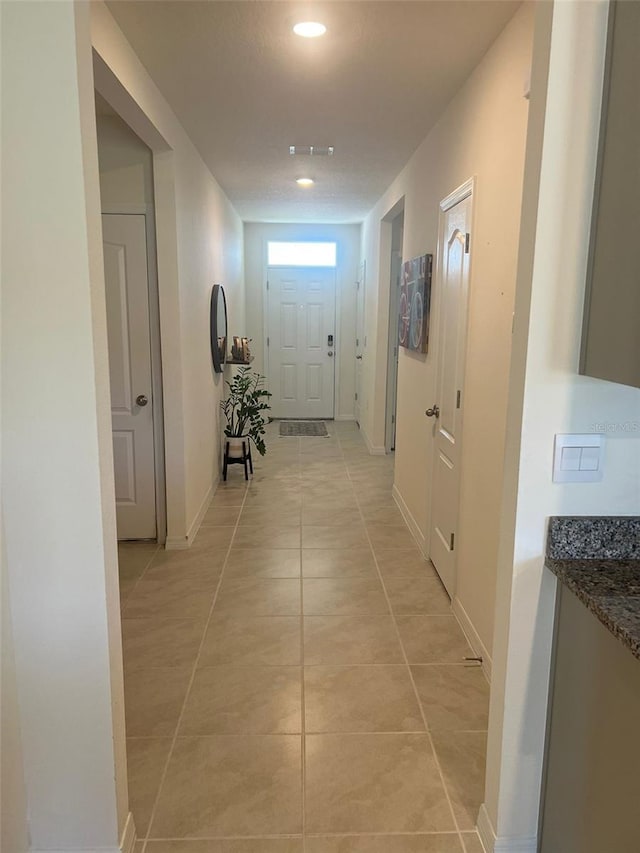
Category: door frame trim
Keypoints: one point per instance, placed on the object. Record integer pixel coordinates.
(466, 190)
(157, 402)
(337, 328)
(392, 334)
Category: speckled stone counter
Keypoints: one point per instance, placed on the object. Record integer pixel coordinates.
(598, 559)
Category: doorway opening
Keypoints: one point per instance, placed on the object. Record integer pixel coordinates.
(133, 327)
(395, 270)
(447, 411)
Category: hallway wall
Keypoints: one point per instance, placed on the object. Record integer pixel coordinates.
(126, 165)
(481, 134)
(57, 464)
(548, 397)
(200, 243)
(13, 805)
(347, 237)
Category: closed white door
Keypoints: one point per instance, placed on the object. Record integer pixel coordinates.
(127, 291)
(392, 353)
(447, 410)
(360, 297)
(301, 341)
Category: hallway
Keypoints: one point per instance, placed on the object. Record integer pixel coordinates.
(295, 679)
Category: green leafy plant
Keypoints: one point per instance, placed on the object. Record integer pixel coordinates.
(244, 406)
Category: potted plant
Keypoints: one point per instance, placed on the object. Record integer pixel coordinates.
(243, 410)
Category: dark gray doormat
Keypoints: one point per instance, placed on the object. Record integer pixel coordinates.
(303, 428)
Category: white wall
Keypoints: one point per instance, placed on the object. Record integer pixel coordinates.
(57, 467)
(126, 165)
(347, 237)
(13, 805)
(200, 243)
(482, 134)
(550, 397)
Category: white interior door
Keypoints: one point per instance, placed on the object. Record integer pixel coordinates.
(127, 293)
(301, 341)
(448, 406)
(360, 297)
(392, 353)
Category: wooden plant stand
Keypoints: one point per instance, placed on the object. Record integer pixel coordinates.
(245, 459)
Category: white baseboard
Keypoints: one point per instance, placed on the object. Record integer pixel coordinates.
(344, 418)
(75, 850)
(373, 450)
(485, 830)
(472, 636)
(505, 844)
(128, 840)
(181, 543)
(176, 543)
(412, 524)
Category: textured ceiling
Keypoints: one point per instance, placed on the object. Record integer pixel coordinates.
(245, 88)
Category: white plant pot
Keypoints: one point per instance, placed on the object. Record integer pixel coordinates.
(235, 445)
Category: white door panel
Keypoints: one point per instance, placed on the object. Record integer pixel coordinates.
(300, 319)
(127, 303)
(360, 297)
(452, 334)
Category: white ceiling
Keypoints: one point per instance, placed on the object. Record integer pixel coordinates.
(245, 88)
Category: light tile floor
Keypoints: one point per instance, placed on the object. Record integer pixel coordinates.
(294, 682)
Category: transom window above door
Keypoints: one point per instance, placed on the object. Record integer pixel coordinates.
(309, 254)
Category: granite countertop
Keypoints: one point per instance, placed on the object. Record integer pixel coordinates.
(598, 559)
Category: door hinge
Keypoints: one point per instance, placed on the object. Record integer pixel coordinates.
(357, 342)
(453, 539)
(393, 419)
(458, 399)
(267, 341)
(267, 285)
(467, 240)
(356, 396)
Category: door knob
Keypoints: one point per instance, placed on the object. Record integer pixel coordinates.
(359, 358)
(433, 412)
(329, 353)
(141, 400)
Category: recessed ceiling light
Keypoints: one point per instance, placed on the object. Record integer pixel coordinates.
(309, 29)
(305, 182)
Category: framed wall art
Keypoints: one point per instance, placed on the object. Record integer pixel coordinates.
(414, 304)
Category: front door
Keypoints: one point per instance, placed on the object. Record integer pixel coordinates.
(449, 404)
(127, 295)
(301, 341)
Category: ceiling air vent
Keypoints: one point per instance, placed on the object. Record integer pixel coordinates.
(312, 150)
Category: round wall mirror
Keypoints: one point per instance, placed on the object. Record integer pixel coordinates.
(218, 327)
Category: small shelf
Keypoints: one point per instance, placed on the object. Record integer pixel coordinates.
(246, 363)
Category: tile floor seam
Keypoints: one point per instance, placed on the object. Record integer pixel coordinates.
(415, 690)
(303, 742)
(135, 585)
(163, 776)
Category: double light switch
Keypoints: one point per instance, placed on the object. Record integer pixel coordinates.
(578, 458)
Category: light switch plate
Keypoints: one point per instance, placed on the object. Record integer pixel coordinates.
(578, 458)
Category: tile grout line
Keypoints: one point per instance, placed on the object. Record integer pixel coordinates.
(191, 679)
(303, 728)
(123, 604)
(274, 837)
(413, 684)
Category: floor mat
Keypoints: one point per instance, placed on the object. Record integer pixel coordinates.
(303, 428)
